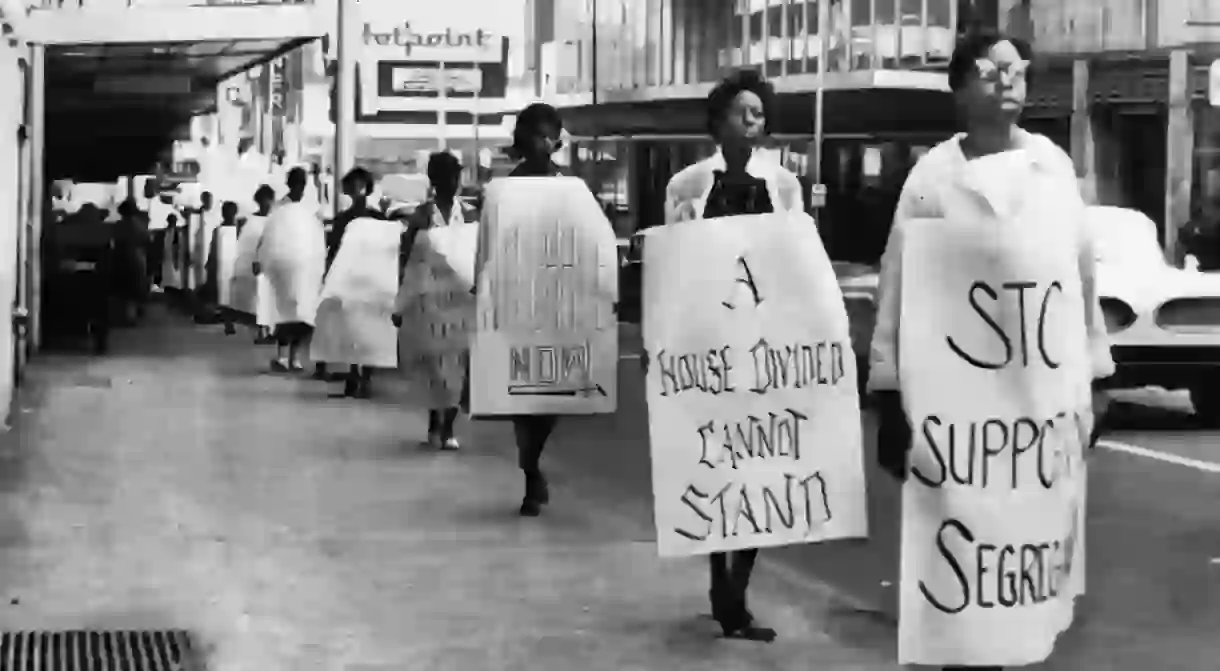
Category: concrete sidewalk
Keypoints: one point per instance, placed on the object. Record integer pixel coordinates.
(172, 485)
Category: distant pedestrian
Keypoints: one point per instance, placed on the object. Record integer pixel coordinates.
(443, 209)
(293, 254)
(358, 186)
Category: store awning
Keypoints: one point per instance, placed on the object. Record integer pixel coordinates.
(123, 83)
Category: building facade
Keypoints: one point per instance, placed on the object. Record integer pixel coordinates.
(1121, 84)
(434, 76)
(631, 77)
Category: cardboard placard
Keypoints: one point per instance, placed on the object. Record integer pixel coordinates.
(547, 277)
(753, 408)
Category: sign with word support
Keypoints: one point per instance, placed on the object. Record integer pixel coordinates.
(753, 408)
(547, 277)
(353, 322)
(995, 376)
(438, 312)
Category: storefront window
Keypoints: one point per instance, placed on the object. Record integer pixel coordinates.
(1204, 235)
(603, 165)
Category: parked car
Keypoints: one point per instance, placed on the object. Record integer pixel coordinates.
(1164, 321)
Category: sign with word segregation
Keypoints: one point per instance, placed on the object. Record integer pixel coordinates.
(995, 377)
(438, 312)
(547, 277)
(753, 408)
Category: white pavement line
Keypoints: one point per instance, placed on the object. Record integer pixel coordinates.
(1205, 466)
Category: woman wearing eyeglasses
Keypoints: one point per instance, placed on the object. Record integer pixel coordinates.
(994, 173)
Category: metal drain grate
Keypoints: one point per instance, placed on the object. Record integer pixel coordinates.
(97, 651)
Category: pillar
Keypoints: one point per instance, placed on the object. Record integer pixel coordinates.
(1083, 148)
(1179, 147)
(348, 52)
(38, 191)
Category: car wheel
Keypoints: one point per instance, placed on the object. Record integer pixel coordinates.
(1206, 399)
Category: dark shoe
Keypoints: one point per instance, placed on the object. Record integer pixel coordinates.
(536, 487)
(530, 508)
(351, 388)
(230, 330)
(536, 494)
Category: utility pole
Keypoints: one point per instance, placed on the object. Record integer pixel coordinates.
(818, 190)
(347, 48)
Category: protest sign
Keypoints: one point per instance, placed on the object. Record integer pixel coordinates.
(293, 256)
(995, 377)
(172, 267)
(353, 322)
(438, 312)
(753, 410)
(251, 294)
(226, 259)
(547, 277)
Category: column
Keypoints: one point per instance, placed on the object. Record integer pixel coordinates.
(1083, 149)
(348, 50)
(38, 198)
(1179, 147)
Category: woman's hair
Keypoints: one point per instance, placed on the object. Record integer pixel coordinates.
(359, 175)
(721, 98)
(974, 46)
(443, 167)
(229, 206)
(531, 120)
(264, 191)
(128, 208)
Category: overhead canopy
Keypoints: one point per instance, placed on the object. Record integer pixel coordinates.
(124, 79)
(112, 107)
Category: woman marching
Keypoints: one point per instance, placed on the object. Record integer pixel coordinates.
(292, 253)
(252, 296)
(536, 138)
(444, 209)
(737, 179)
(1006, 173)
(358, 185)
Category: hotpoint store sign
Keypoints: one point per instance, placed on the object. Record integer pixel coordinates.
(406, 41)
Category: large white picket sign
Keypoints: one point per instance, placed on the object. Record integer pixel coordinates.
(995, 374)
(226, 260)
(753, 408)
(353, 322)
(547, 277)
(438, 312)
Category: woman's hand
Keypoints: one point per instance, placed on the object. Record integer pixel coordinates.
(257, 268)
(893, 434)
(396, 319)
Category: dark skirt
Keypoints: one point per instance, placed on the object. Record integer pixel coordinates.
(292, 331)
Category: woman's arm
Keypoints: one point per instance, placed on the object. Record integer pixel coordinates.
(1102, 360)
(883, 349)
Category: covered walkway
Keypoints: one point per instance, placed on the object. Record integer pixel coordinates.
(173, 485)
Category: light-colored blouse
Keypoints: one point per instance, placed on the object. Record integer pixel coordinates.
(992, 186)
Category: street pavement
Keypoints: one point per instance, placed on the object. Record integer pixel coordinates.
(1153, 534)
(172, 484)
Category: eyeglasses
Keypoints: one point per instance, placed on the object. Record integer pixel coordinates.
(991, 72)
